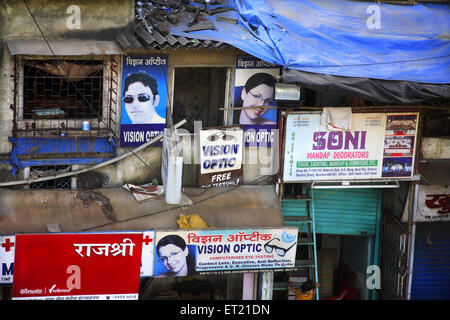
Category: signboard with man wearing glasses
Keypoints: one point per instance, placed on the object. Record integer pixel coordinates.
(144, 99)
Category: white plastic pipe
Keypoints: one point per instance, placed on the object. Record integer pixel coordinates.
(99, 165)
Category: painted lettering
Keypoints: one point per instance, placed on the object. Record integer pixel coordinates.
(336, 140)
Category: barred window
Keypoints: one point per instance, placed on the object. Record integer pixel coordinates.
(42, 171)
(71, 89)
(55, 95)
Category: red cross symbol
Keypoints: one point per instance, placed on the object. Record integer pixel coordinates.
(147, 239)
(7, 245)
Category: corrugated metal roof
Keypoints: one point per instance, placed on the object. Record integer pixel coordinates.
(155, 40)
(153, 21)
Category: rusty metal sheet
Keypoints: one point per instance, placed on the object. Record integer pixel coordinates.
(30, 211)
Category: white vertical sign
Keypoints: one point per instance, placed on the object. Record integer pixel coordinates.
(7, 249)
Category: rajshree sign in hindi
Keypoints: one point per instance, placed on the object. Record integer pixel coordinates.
(77, 266)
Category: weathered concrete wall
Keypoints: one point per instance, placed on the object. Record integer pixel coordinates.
(66, 19)
(436, 148)
(96, 20)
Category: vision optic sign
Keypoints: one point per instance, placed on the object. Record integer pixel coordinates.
(224, 251)
(144, 99)
(221, 157)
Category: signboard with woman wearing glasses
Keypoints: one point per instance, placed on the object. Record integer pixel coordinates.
(144, 96)
(224, 251)
(254, 93)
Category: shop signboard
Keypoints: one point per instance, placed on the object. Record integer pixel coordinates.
(208, 251)
(148, 244)
(377, 146)
(221, 151)
(144, 99)
(433, 204)
(77, 266)
(7, 249)
(254, 93)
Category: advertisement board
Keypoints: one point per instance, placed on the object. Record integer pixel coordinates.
(379, 145)
(433, 204)
(221, 153)
(206, 251)
(254, 92)
(7, 249)
(148, 243)
(77, 266)
(144, 99)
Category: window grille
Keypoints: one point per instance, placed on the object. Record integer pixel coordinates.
(53, 97)
(60, 184)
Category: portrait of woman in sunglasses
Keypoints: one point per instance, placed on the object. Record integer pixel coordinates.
(141, 97)
(257, 94)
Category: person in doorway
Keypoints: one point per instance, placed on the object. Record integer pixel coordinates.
(257, 93)
(174, 255)
(306, 292)
(141, 97)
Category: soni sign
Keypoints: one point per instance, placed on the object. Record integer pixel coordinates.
(377, 146)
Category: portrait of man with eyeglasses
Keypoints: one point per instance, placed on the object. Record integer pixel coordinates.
(141, 97)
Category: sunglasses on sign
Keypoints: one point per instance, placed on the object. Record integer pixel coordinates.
(143, 97)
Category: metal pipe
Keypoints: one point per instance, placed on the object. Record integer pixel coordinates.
(412, 242)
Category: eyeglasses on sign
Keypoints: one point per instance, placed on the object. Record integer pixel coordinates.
(221, 135)
(265, 102)
(278, 250)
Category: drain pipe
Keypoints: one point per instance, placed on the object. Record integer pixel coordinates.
(100, 165)
(412, 242)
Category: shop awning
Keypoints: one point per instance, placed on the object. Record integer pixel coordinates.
(365, 40)
(30, 211)
(63, 47)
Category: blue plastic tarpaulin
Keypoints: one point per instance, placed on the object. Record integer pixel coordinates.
(340, 38)
(102, 147)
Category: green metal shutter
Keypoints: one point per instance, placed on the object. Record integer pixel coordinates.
(338, 211)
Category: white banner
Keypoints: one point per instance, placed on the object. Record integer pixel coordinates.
(148, 243)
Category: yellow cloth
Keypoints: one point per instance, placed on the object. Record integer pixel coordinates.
(192, 221)
(300, 296)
